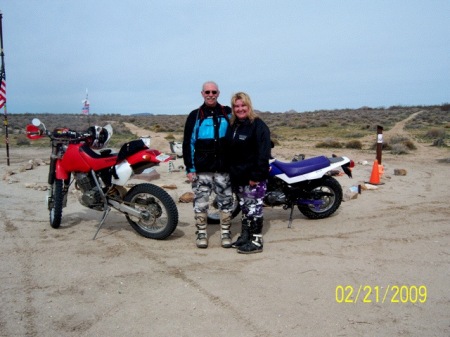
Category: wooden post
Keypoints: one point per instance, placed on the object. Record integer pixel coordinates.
(379, 143)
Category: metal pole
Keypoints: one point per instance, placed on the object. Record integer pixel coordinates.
(3, 81)
(379, 143)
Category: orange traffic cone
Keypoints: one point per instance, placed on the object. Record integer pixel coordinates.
(375, 176)
(381, 170)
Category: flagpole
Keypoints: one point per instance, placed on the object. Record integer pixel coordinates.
(3, 89)
(89, 115)
(85, 108)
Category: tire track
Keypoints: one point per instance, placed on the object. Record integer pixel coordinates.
(179, 273)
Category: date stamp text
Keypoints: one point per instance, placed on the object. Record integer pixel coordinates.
(378, 294)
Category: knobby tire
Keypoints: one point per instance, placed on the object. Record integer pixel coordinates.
(57, 205)
(164, 213)
(324, 186)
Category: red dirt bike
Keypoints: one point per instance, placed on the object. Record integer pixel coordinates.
(101, 177)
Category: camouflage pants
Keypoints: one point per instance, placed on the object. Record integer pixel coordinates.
(251, 200)
(220, 184)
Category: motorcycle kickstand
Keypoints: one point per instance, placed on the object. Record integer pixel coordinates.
(102, 221)
(291, 215)
(106, 207)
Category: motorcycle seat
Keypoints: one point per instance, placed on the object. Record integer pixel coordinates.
(297, 168)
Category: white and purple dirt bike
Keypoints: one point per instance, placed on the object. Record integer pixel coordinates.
(307, 183)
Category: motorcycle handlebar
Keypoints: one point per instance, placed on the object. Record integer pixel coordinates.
(64, 133)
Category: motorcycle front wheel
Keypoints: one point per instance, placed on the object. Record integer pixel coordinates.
(162, 211)
(324, 196)
(55, 203)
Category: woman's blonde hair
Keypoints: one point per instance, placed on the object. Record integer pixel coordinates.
(247, 101)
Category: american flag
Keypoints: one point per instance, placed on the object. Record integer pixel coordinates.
(3, 90)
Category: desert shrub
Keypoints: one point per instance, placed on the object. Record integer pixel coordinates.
(170, 137)
(408, 143)
(329, 143)
(354, 144)
(22, 140)
(445, 107)
(385, 146)
(435, 133)
(274, 135)
(354, 135)
(399, 149)
(301, 126)
(439, 142)
(398, 145)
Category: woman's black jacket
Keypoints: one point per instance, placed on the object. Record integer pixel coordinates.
(249, 151)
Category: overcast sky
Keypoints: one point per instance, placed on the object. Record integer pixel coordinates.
(152, 56)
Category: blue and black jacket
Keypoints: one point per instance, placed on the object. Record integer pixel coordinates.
(205, 145)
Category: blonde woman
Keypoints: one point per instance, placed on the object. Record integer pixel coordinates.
(249, 145)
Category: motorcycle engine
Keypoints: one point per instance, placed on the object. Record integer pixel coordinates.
(275, 198)
(90, 194)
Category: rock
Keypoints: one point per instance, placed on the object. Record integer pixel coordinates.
(366, 186)
(8, 175)
(29, 166)
(12, 180)
(399, 172)
(170, 187)
(39, 162)
(187, 197)
(350, 194)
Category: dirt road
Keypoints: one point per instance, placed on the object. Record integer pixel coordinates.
(379, 267)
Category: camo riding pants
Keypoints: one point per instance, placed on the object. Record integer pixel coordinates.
(220, 184)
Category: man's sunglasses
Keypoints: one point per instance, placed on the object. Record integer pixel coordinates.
(210, 92)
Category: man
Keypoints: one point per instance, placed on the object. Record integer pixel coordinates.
(204, 155)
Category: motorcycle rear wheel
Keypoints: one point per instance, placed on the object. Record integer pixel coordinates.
(55, 205)
(159, 204)
(329, 192)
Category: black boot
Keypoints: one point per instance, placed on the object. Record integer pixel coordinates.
(245, 234)
(255, 244)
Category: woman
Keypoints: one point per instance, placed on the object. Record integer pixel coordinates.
(249, 140)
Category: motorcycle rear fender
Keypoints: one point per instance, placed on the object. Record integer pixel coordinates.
(148, 155)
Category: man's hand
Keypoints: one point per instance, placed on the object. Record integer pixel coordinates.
(192, 176)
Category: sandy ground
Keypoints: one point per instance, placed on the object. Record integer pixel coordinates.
(389, 246)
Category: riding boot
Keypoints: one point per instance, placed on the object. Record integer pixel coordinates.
(245, 234)
(202, 235)
(255, 244)
(225, 225)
